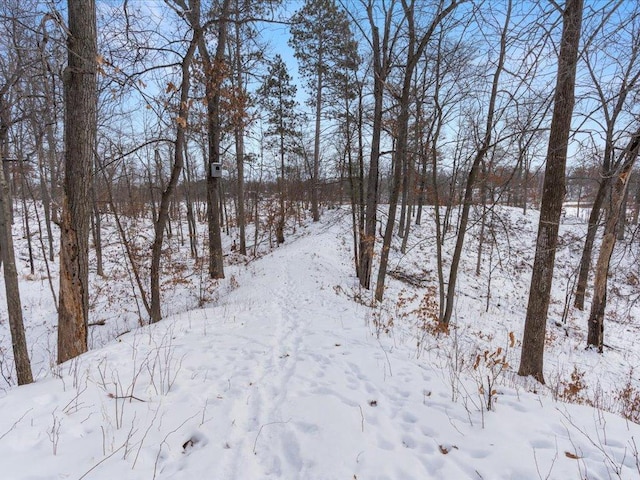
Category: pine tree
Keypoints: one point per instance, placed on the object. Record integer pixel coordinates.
(278, 98)
(320, 38)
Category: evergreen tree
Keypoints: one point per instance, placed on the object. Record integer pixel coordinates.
(278, 98)
(322, 40)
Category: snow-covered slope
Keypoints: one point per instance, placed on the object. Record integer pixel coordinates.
(289, 377)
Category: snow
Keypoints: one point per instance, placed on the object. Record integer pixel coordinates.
(289, 373)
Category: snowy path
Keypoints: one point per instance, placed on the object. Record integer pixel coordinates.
(283, 379)
(285, 404)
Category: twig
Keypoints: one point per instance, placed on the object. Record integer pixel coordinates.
(103, 460)
(255, 443)
(121, 397)
(15, 424)
(164, 441)
(386, 356)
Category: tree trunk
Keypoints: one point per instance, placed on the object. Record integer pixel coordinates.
(240, 209)
(356, 180)
(282, 192)
(80, 131)
(473, 173)
(7, 254)
(393, 207)
(415, 48)
(239, 132)
(531, 362)
(380, 71)
(636, 203)
(595, 337)
(315, 185)
(483, 219)
(25, 216)
(585, 260)
(191, 219)
(408, 207)
(14, 305)
(214, 70)
(405, 198)
(622, 223)
(399, 157)
(45, 196)
(96, 227)
(160, 222)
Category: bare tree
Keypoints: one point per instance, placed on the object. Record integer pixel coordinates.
(178, 160)
(14, 305)
(614, 93)
(214, 73)
(80, 135)
(531, 362)
(595, 337)
(12, 69)
(479, 158)
(381, 44)
(417, 42)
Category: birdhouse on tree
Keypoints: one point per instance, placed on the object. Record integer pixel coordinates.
(216, 170)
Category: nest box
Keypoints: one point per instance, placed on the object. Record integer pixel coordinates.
(216, 170)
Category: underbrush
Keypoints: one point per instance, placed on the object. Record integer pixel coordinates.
(116, 305)
(482, 343)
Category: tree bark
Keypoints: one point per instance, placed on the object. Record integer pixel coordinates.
(80, 98)
(7, 254)
(176, 170)
(239, 138)
(214, 69)
(622, 223)
(587, 250)
(191, 219)
(14, 305)
(595, 337)
(96, 227)
(282, 190)
(380, 72)
(531, 361)
(315, 185)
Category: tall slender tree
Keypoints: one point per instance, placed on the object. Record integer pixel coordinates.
(178, 163)
(7, 254)
(532, 357)
(278, 98)
(417, 41)
(615, 94)
(479, 157)
(320, 33)
(620, 183)
(14, 67)
(80, 97)
(215, 70)
(240, 117)
(381, 42)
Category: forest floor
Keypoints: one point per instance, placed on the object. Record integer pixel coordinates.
(289, 372)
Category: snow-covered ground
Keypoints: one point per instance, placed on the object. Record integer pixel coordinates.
(289, 373)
